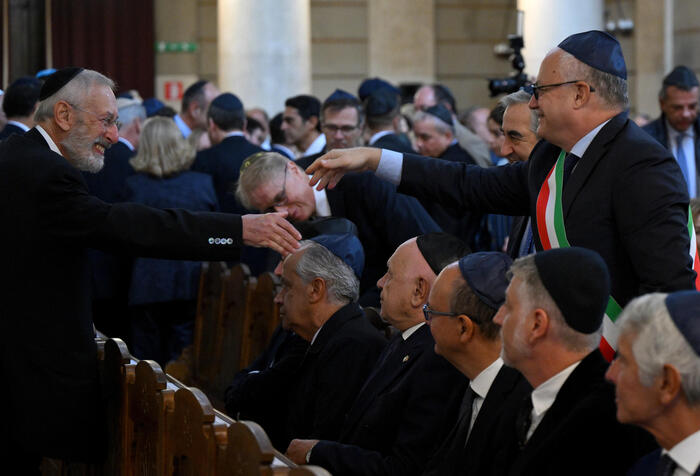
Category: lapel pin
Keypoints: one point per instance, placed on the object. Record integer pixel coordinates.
(405, 359)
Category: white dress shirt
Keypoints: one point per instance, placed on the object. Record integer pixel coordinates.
(481, 384)
(378, 136)
(19, 124)
(686, 454)
(316, 146)
(323, 208)
(409, 332)
(544, 395)
(48, 139)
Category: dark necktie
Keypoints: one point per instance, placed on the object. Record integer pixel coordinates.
(523, 421)
(666, 466)
(569, 163)
(465, 416)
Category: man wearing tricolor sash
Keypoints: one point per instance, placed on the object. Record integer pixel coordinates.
(596, 180)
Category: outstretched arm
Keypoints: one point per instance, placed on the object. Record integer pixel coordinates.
(327, 170)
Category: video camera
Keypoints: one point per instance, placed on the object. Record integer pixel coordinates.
(516, 80)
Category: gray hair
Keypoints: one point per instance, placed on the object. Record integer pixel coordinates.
(440, 125)
(521, 97)
(611, 89)
(73, 93)
(659, 342)
(264, 167)
(317, 261)
(538, 296)
(130, 113)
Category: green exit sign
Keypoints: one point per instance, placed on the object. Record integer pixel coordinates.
(176, 46)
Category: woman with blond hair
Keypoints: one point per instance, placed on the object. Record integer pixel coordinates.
(163, 293)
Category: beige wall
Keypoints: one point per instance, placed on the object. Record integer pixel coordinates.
(465, 33)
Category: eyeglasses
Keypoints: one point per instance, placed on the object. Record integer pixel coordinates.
(332, 129)
(281, 197)
(107, 122)
(427, 313)
(536, 89)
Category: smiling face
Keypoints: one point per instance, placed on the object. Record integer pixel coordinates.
(518, 138)
(289, 191)
(93, 129)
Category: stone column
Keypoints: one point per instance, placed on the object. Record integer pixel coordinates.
(547, 22)
(402, 40)
(264, 50)
(653, 41)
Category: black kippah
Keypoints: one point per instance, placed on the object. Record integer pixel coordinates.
(380, 102)
(578, 281)
(441, 249)
(57, 80)
(682, 77)
(227, 102)
(441, 113)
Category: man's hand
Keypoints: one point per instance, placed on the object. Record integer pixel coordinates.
(298, 448)
(272, 231)
(328, 169)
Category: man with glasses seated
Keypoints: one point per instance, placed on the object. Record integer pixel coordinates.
(412, 395)
(384, 218)
(596, 180)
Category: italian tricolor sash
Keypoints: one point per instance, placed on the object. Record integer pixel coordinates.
(550, 228)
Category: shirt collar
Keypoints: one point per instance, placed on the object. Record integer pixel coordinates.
(686, 453)
(582, 145)
(316, 146)
(184, 128)
(543, 396)
(19, 124)
(409, 332)
(378, 136)
(127, 143)
(690, 132)
(481, 384)
(48, 139)
(323, 208)
(315, 335)
(234, 133)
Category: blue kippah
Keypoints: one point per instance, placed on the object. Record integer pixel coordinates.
(485, 273)
(57, 80)
(45, 72)
(597, 49)
(579, 283)
(682, 77)
(441, 113)
(380, 102)
(684, 308)
(339, 94)
(371, 85)
(153, 105)
(227, 102)
(347, 247)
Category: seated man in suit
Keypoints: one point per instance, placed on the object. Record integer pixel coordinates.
(318, 297)
(19, 104)
(382, 108)
(435, 135)
(463, 301)
(411, 394)
(384, 218)
(551, 326)
(657, 379)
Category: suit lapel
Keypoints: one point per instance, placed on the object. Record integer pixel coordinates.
(596, 151)
(336, 200)
(392, 368)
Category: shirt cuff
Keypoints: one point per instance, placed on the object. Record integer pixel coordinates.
(390, 166)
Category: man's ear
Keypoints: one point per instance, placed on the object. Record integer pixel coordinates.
(670, 384)
(539, 325)
(64, 115)
(313, 120)
(316, 290)
(420, 293)
(467, 328)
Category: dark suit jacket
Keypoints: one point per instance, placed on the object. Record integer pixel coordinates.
(384, 220)
(455, 153)
(657, 129)
(517, 233)
(10, 129)
(223, 162)
(626, 199)
(162, 280)
(402, 410)
(453, 458)
(330, 375)
(394, 142)
(108, 184)
(647, 465)
(579, 434)
(49, 358)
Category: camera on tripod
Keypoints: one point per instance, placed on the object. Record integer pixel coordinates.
(516, 80)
